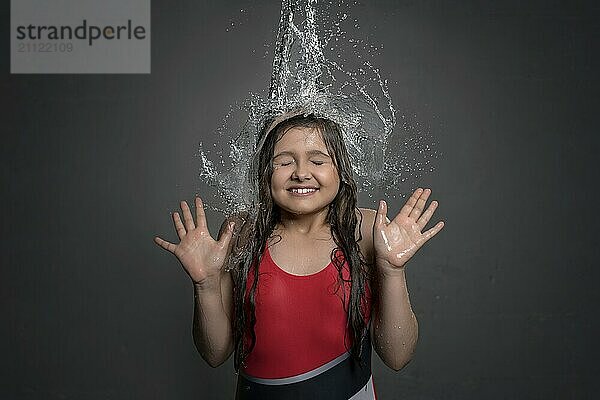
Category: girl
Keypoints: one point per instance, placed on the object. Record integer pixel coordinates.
(300, 288)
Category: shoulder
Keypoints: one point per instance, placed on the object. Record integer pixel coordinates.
(366, 220)
(238, 242)
(240, 218)
(240, 229)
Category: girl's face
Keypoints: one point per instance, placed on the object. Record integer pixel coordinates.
(304, 180)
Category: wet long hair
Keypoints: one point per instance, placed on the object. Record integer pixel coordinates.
(260, 224)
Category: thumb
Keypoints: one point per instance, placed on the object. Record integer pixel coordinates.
(227, 235)
(381, 214)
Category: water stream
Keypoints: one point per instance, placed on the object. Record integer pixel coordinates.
(310, 73)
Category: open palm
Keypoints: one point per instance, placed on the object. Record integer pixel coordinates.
(201, 256)
(397, 241)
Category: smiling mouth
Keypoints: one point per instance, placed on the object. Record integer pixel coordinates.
(302, 191)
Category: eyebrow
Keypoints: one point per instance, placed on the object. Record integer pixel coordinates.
(310, 153)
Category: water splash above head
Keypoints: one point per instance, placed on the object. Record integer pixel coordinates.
(305, 81)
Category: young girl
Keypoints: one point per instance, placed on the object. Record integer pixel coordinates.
(302, 287)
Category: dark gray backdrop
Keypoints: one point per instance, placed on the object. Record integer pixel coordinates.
(505, 295)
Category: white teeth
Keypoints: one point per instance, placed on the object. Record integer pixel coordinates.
(302, 191)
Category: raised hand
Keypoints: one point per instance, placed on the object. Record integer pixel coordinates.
(397, 241)
(201, 256)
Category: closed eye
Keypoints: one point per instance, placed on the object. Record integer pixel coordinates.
(283, 162)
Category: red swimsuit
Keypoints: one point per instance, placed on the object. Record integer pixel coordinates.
(301, 326)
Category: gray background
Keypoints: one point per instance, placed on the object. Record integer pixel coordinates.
(505, 295)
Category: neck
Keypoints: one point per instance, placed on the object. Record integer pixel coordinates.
(303, 224)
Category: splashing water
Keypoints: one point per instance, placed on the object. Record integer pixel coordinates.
(305, 81)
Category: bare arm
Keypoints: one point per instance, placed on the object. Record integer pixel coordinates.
(395, 330)
(212, 325)
(203, 259)
(213, 310)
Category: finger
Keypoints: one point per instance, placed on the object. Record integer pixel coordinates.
(181, 232)
(432, 232)
(380, 218)
(424, 219)
(200, 214)
(227, 235)
(188, 221)
(164, 244)
(420, 205)
(412, 201)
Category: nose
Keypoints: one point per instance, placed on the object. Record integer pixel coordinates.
(301, 172)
